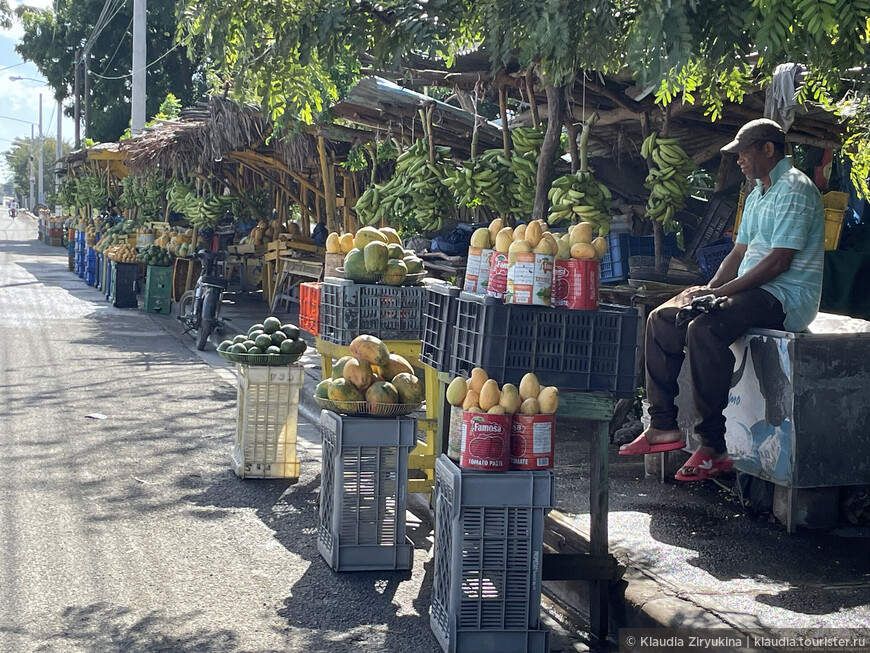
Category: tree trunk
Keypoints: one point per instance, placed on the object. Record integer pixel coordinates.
(547, 159)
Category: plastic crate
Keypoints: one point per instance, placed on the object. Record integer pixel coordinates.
(584, 350)
(438, 321)
(489, 532)
(91, 278)
(122, 293)
(309, 307)
(71, 248)
(833, 227)
(364, 479)
(712, 225)
(268, 409)
(614, 265)
(711, 256)
(349, 309)
(107, 276)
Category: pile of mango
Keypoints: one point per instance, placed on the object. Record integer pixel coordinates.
(371, 380)
(536, 237)
(480, 394)
(122, 253)
(375, 255)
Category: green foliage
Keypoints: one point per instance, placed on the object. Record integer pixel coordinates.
(51, 37)
(18, 161)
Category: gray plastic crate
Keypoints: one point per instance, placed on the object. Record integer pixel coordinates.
(349, 309)
(489, 532)
(439, 318)
(363, 494)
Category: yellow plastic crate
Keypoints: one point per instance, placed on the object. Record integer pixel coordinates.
(268, 410)
(835, 200)
(833, 227)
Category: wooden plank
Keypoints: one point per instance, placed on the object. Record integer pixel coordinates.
(580, 566)
(599, 490)
(586, 405)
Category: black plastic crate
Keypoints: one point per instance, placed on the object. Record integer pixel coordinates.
(349, 309)
(582, 350)
(123, 290)
(716, 220)
(439, 319)
(486, 586)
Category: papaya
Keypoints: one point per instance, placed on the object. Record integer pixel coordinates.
(355, 267)
(456, 391)
(333, 243)
(410, 388)
(414, 264)
(322, 389)
(359, 373)
(370, 349)
(395, 273)
(395, 365)
(338, 368)
(382, 393)
(342, 391)
(529, 386)
(548, 400)
(391, 235)
(368, 235)
(395, 251)
(376, 257)
(489, 394)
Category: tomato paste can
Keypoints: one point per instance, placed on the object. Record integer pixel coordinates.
(454, 434)
(532, 440)
(575, 284)
(543, 283)
(497, 282)
(520, 278)
(472, 270)
(486, 442)
(483, 275)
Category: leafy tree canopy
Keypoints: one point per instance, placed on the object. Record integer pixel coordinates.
(18, 161)
(52, 36)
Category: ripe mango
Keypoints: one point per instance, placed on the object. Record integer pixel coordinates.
(370, 349)
(480, 238)
(520, 232)
(472, 398)
(582, 233)
(333, 243)
(489, 395)
(510, 398)
(550, 238)
(496, 410)
(548, 400)
(534, 233)
(474, 409)
(582, 251)
(529, 386)
(600, 247)
(494, 227)
(530, 406)
(564, 252)
(456, 391)
(346, 242)
(478, 378)
(544, 247)
(503, 240)
(359, 373)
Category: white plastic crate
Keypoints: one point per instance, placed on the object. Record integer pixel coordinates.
(268, 409)
(363, 493)
(489, 531)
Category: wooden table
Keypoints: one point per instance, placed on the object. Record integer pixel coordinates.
(285, 274)
(423, 456)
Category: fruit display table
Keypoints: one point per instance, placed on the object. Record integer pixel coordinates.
(423, 456)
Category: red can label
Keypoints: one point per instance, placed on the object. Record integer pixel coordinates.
(575, 284)
(486, 442)
(498, 275)
(532, 440)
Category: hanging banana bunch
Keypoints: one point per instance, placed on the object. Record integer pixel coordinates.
(527, 142)
(580, 197)
(668, 181)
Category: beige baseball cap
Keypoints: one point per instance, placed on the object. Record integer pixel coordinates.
(760, 130)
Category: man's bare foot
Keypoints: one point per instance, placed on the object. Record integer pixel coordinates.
(653, 440)
(703, 464)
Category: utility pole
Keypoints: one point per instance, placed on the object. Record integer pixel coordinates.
(137, 114)
(58, 145)
(87, 99)
(32, 179)
(76, 110)
(40, 194)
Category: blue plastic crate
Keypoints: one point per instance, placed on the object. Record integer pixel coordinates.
(71, 248)
(711, 256)
(614, 265)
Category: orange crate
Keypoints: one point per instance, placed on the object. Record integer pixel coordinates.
(309, 307)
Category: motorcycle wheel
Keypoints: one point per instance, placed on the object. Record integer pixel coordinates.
(185, 309)
(207, 321)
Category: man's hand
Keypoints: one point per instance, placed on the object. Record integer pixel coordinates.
(685, 298)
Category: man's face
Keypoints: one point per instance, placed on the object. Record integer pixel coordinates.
(756, 161)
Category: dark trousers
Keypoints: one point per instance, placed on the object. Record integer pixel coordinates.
(707, 341)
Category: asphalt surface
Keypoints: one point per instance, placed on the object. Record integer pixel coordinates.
(131, 533)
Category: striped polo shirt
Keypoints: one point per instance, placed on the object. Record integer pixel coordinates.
(788, 215)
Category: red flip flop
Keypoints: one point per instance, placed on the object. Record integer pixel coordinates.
(705, 467)
(641, 447)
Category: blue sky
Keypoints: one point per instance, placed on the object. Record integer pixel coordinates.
(21, 99)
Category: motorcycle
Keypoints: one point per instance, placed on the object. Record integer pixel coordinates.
(12, 212)
(199, 309)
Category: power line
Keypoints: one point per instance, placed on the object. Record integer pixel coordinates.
(165, 54)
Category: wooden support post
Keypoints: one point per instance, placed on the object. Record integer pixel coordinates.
(328, 184)
(505, 132)
(189, 277)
